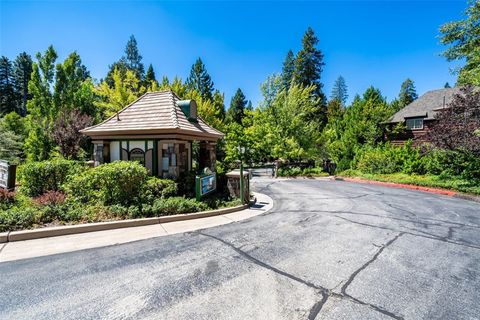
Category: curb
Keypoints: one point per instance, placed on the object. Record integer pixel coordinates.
(465, 196)
(440, 191)
(101, 226)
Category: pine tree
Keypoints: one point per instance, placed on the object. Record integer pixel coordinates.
(309, 64)
(308, 70)
(8, 98)
(236, 112)
(133, 58)
(22, 71)
(288, 69)
(200, 80)
(339, 91)
(447, 85)
(407, 93)
(150, 77)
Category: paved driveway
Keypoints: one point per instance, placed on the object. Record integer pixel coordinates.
(328, 250)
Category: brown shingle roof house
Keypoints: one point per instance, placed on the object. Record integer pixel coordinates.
(157, 130)
(419, 115)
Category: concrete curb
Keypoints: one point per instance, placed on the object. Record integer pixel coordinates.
(100, 226)
(440, 191)
(4, 237)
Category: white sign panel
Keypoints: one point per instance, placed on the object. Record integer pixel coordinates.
(3, 174)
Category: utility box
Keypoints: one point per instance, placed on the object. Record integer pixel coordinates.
(233, 184)
(7, 175)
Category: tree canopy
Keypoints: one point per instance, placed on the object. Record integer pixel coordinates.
(463, 39)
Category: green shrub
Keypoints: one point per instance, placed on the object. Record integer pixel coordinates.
(375, 162)
(159, 188)
(176, 205)
(314, 172)
(119, 182)
(39, 177)
(17, 218)
(7, 198)
(52, 212)
(186, 183)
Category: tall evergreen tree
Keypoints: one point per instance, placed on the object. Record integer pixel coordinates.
(308, 69)
(288, 69)
(339, 91)
(407, 93)
(309, 64)
(133, 58)
(447, 85)
(8, 98)
(200, 80)
(22, 71)
(236, 112)
(150, 76)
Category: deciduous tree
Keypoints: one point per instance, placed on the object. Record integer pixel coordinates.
(66, 132)
(463, 39)
(457, 125)
(123, 92)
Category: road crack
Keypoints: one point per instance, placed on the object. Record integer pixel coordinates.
(423, 235)
(326, 293)
(343, 290)
(352, 277)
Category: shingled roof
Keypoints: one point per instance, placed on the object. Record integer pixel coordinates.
(153, 113)
(427, 105)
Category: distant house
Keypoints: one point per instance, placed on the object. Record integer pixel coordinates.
(419, 116)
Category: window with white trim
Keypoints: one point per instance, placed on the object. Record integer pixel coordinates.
(415, 124)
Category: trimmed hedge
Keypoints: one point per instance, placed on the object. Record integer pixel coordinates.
(176, 205)
(119, 182)
(159, 188)
(39, 177)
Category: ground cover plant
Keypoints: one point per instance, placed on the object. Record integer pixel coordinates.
(69, 192)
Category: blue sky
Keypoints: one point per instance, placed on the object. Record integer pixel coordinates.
(378, 43)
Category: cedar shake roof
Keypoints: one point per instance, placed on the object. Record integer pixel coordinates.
(153, 113)
(427, 105)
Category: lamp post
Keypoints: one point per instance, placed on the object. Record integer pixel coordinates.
(241, 151)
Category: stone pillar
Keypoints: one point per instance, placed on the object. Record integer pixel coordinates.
(233, 184)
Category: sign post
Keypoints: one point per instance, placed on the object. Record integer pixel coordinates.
(7, 175)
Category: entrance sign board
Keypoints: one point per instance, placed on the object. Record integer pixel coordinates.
(205, 184)
(7, 175)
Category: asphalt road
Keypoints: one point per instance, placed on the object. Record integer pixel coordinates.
(327, 250)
